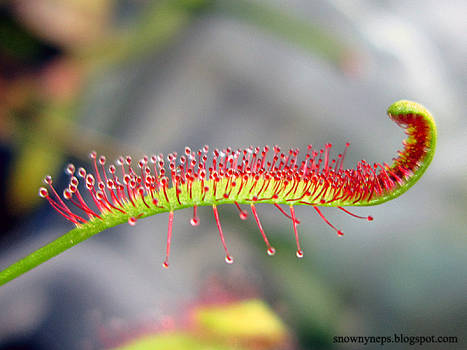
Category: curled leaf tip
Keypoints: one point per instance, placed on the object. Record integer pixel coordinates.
(417, 153)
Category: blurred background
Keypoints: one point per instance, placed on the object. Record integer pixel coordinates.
(142, 77)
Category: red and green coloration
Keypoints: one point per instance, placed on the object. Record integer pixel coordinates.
(126, 192)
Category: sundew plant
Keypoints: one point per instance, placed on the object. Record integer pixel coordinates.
(130, 190)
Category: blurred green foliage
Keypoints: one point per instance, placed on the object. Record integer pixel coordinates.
(241, 325)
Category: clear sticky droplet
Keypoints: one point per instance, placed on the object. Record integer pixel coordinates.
(243, 215)
(132, 221)
(229, 259)
(194, 221)
(299, 254)
(271, 251)
(43, 192)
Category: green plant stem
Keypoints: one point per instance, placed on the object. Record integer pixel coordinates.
(47, 252)
(72, 238)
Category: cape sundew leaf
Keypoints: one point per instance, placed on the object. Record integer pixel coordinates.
(128, 190)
